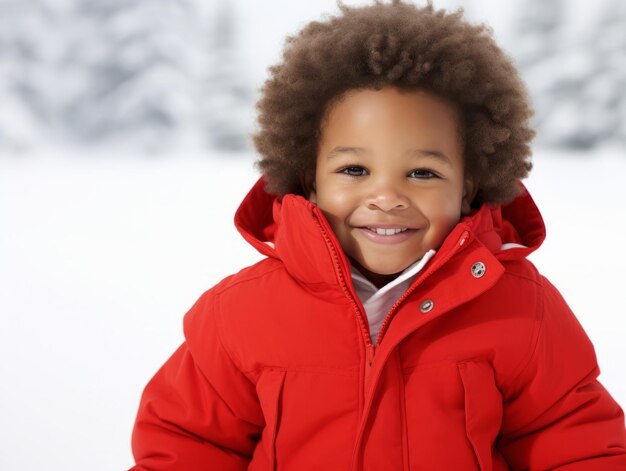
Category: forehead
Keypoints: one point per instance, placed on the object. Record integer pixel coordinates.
(390, 119)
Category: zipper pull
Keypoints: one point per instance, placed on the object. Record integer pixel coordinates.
(371, 351)
(463, 238)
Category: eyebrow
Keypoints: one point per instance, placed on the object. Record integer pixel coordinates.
(431, 153)
(336, 151)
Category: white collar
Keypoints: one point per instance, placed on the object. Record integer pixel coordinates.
(377, 302)
(365, 285)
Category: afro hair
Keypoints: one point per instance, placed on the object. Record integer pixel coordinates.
(396, 45)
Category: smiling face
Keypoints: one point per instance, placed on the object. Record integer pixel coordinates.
(389, 177)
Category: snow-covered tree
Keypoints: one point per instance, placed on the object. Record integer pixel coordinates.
(134, 69)
(607, 87)
(27, 58)
(576, 78)
(227, 102)
(538, 28)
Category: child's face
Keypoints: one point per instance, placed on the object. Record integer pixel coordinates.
(389, 177)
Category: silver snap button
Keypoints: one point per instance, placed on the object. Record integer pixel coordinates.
(478, 269)
(427, 305)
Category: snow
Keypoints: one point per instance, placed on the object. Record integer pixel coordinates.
(101, 256)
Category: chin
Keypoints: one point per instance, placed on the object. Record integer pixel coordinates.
(388, 271)
(384, 270)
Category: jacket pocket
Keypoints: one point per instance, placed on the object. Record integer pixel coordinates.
(483, 413)
(269, 390)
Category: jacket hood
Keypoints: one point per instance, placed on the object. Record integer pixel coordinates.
(292, 229)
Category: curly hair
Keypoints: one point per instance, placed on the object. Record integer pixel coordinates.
(403, 46)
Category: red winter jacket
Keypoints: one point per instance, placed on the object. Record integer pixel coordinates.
(474, 368)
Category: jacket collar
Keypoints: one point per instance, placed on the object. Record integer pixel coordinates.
(293, 230)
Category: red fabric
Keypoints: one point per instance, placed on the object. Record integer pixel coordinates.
(278, 372)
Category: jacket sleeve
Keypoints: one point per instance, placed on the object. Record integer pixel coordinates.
(556, 414)
(199, 411)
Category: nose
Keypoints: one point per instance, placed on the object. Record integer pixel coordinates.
(387, 196)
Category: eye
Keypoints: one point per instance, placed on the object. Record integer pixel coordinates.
(354, 171)
(422, 174)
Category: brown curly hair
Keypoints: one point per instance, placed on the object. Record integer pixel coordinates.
(410, 48)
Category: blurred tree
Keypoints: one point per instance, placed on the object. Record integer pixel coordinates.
(607, 87)
(227, 97)
(27, 58)
(538, 29)
(134, 70)
(538, 26)
(576, 79)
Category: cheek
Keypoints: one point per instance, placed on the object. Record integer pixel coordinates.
(334, 203)
(445, 211)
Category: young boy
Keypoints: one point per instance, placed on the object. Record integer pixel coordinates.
(395, 323)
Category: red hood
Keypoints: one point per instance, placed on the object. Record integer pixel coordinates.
(291, 228)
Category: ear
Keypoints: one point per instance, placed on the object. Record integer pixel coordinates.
(469, 192)
(307, 186)
(312, 194)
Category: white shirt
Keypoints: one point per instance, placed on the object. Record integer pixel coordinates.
(378, 302)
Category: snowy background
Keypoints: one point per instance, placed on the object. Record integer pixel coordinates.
(124, 153)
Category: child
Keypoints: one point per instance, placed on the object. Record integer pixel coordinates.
(395, 323)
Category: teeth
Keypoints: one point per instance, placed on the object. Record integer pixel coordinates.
(386, 232)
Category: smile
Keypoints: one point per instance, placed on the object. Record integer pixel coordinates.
(386, 232)
(387, 235)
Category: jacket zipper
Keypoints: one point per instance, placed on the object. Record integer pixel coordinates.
(371, 352)
(339, 271)
(425, 276)
(369, 345)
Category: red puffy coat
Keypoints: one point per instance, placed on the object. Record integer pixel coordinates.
(479, 365)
